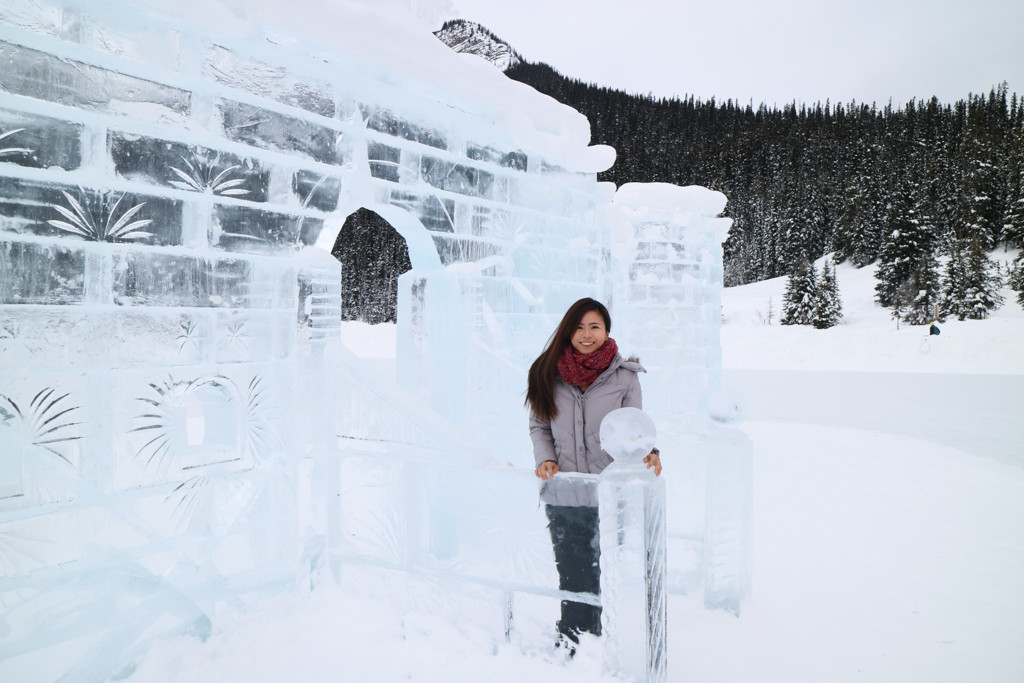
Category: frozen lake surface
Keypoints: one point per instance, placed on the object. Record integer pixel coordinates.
(978, 414)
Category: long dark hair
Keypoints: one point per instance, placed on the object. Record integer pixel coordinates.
(540, 384)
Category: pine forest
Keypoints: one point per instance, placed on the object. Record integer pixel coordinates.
(925, 191)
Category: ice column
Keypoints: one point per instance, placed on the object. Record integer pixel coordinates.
(667, 244)
(667, 309)
(633, 554)
(727, 536)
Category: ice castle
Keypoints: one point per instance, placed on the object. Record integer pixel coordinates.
(182, 430)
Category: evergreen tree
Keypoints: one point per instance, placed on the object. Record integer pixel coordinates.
(828, 307)
(970, 288)
(908, 277)
(923, 287)
(801, 292)
(1016, 280)
(898, 255)
(1013, 222)
(902, 302)
(861, 222)
(984, 156)
(1013, 219)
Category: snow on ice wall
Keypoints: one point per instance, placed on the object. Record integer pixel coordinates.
(172, 386)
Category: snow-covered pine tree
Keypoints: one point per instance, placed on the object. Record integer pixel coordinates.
(801, 292)
(970, 288)
(1013, 219)
(828, 307)
(898, 254)
(902, 302)
(924, 292)
(861, 219)
(1016, 279)
(908, 276)
(984, 159)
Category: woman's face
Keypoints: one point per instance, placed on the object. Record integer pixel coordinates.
(590, 334)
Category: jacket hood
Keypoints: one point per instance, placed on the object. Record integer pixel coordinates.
(631, 363)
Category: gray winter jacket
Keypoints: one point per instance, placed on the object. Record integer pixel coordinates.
(572, 439)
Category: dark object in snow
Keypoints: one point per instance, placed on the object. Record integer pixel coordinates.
(934, 329)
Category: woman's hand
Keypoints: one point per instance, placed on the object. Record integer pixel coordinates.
(546, 470)
(654, 461)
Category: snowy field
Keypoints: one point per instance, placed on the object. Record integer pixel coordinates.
(888, 526)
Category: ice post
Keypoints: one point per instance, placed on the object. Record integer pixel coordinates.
(633, 550)
(633, 588)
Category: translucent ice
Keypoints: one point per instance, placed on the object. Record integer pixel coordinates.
(628, 434)
(726, 407)
(633, 566)
(181, 431)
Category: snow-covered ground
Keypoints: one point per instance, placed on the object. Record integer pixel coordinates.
(868, 340)
(888, 526)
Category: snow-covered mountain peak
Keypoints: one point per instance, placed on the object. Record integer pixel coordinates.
(472, 38)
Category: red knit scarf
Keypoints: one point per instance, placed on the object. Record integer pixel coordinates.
(581, 369)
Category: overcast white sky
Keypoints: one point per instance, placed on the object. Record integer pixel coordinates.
(769, 51)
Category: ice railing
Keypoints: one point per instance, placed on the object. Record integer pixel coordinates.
(474, 546)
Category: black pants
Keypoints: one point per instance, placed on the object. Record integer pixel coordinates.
(574, 534)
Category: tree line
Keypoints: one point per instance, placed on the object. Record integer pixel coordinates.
(908, 188)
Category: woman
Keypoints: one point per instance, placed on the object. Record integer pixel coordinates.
(578, 379)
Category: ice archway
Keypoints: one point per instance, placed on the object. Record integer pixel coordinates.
(422, 251)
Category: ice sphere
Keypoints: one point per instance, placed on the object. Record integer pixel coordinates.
(726, 407)
(628, 434)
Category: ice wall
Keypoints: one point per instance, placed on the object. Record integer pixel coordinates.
(181, 431)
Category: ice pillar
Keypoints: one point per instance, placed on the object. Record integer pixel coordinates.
(730, 492)
(667, 243)
(667, 304)
(633, 551)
